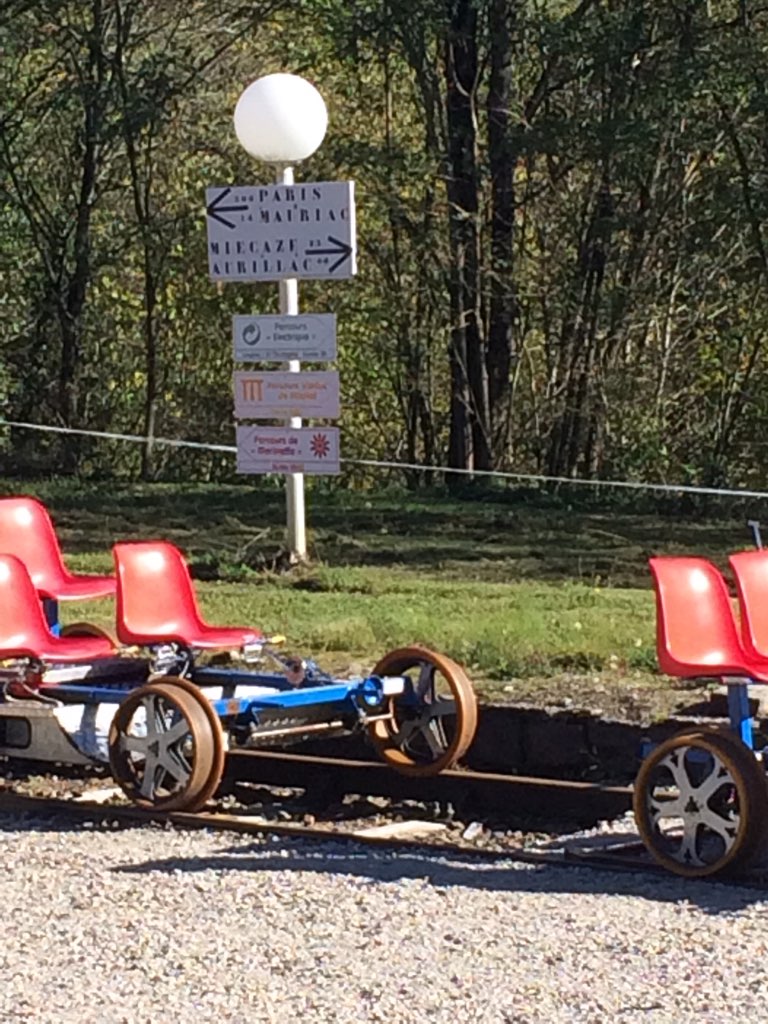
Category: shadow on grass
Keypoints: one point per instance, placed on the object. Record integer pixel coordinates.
(493, 539)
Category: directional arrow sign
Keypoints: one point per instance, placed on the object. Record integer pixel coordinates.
(270, 232)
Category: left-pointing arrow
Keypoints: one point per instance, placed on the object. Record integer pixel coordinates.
(215, 210)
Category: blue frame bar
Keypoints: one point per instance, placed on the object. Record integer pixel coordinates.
(311, 696)
(85, 694)
(738, 712)
(51, 612)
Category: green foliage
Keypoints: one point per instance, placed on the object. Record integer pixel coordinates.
(639, 273)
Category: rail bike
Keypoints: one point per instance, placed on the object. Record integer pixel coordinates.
(701, 798)
(156, 704)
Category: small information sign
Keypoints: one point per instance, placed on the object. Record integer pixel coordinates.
(310, 337)
(311, 450)
(275, 395)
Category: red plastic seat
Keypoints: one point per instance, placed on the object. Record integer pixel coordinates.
(696, 633)
(27, 532)
(24, 632)
(750, 569)
(156, 601)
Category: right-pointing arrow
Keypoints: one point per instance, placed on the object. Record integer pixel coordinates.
(341, 249)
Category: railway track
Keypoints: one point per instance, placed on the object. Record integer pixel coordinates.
(473, 794)
(84, 810)
(481, 798)
(618, 856)
(475, 797)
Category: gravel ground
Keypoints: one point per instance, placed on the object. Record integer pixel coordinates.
(153, 925)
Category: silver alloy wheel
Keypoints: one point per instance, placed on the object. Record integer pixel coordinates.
(699, 799)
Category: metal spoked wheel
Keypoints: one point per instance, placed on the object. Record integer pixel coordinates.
(700, 803)
(434, 721)
(219, 741)
(166, 748)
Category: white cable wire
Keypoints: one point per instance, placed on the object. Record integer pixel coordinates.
(529, 477)
(120, 437)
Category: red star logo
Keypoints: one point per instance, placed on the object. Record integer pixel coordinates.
(320, 446)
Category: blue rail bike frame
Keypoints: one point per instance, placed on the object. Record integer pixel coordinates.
(355, 697)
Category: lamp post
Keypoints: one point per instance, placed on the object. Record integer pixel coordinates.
(281, 119)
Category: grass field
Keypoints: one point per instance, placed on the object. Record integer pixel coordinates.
(540, 601)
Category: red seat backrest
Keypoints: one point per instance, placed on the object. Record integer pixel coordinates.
(26, 531)
(155, 595)
(696, 634)
(23, 629)
(750, 568)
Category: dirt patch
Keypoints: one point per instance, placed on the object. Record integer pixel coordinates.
(637, 698)
(634, 696)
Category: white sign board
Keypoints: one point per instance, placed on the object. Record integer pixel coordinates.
(310, 337)
(266, 396)
(312, 450)
(270, 232)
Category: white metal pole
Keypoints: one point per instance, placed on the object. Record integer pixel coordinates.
(294, 482)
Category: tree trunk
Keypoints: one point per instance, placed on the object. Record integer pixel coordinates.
(469, 446)
(71, 311)
(576, 436)
(502, 159)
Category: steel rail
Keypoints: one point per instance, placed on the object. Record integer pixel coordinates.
(84, 810)
(620, 857)
(476, 793)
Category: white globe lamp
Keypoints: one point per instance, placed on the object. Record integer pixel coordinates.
(280, 119)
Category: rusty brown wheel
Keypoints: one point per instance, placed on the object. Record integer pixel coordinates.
(220, 745)
(433, 721)
(700, 803)
(163, 750)
(76, 629)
